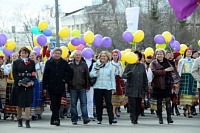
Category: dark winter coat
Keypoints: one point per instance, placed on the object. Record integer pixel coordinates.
(22, 96)
(80, 79)
(137, 82)
(56, 75)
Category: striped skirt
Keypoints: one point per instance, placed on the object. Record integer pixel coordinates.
(188, 87)
(119, 97)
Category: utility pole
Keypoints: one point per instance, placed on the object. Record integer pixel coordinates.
(57, 24)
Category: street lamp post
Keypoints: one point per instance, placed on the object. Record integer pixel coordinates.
(57, 24)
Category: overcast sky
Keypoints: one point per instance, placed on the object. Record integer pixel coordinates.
(9, 6)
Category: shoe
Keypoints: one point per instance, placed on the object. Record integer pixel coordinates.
(110, 122)
(172, 113)
(177, 113)
(68, 116)
(190, 115)
(169, 120)
(118, 115)
(74, 122)
(20, 123)
(115, 117)
(99, 122)
(160, 120)
(28, 124)
(92, 119)
(86, 121)
(134, 122)
(56, 122)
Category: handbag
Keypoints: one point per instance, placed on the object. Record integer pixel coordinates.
(93, 81)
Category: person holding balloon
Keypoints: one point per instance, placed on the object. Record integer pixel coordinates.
(10, 81)
(164, 72)
(104, 86)
(188, 84)
(24, 77)
(118, 98)
(37, 91)
(136, 84)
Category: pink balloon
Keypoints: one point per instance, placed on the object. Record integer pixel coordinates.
(80, 47)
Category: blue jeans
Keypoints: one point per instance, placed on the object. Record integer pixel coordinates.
(75, 95)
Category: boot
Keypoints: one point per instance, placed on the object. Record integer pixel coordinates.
(28, 124)
(61, 115)
(193, 110)
(152, 111)
(173, 108)
(176, 110)
(159, 109)
(20, 123)
(142, 112)
(168, 109)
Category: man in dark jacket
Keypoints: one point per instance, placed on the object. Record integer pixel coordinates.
(56, 73)
(78, 87)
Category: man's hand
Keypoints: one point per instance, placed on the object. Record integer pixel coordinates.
(113, 91)
(87, 90)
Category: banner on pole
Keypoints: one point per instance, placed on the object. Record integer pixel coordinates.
(132, 18)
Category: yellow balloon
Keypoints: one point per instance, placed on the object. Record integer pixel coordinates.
(71, 47)
(35, 41)
(89, 37)
(183, 47)
(163, 46)
(64, 32)
(138, 36)
(122, 55)
(65, 52)
(1, 53)
(43, 25)
(167, 35)
(41, 51)
(128, 50)
(131, 57)
(29, 47)
(10, 45)
(148, 51)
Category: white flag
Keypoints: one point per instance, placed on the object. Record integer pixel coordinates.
(132, 18)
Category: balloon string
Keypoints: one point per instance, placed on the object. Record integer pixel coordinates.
(169, 47)
(96, 50)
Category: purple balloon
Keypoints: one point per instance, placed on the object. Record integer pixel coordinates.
(82, 39)
(172, 40)
(106, 42)
(119, 53)
(7, 52)
(37, 49)
(87, 53)
(176, 45)
(47, 32)
(41, 40)
(128, 36)
(3, 39)
(97, 40)
(159, 39)
(75, 41)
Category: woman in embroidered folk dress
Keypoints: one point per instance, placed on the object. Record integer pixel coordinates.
(24, 77)
(118, 98)
(7, 68)
(36, 107)
(188, 84)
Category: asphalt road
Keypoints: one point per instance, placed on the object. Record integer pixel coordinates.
(147, 124)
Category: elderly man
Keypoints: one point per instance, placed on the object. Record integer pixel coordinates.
(56, 73)
(79, 87)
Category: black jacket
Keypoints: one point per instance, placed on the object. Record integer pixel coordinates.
(80, 79)
(55, 76)
(137, 82)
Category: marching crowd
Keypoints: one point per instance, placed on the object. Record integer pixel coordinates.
(81, 88)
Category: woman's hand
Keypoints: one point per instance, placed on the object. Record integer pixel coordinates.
(25, 85)
(29, 84)
(113, 91)
(169, 69)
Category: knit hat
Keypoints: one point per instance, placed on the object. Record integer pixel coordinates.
(176, 54)
(186, 51)
(1, 57)
(115, 52)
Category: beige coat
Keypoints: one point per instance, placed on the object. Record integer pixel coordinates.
(196, 71)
